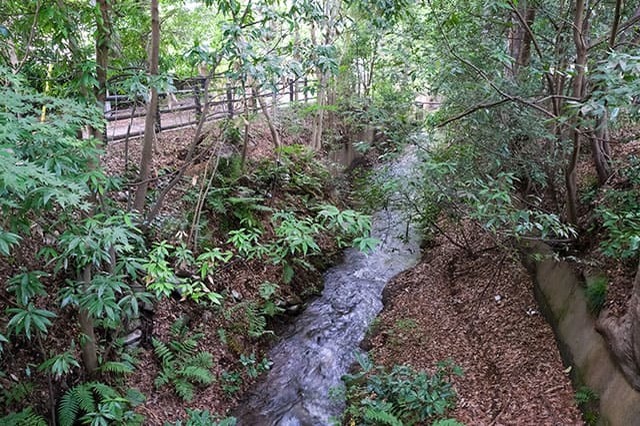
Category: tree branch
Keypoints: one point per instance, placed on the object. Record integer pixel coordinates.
(30, 40)
(622, 28)
(472, 110)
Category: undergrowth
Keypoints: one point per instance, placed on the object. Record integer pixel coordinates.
(181, 365)
(401, 396)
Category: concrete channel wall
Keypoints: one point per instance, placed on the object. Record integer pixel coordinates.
(560, 294)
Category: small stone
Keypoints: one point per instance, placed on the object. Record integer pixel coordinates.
(497, 298)
(133, 338)
(236, 295)
(293, 309)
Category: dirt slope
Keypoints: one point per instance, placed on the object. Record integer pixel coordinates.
(480, 312)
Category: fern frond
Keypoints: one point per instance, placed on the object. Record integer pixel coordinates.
(179, 327)
(201, 359)
(162, 379)
(197, 374)
(163, 352)
(381, 417)
(84, 397)
(105, 392)
(184, 389)
(68, 409)
(26, 417)
(116, 367)
(257, 323)
(188, 346)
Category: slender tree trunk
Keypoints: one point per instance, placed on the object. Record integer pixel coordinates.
(152, 106)
(524, 57)
(89, 346)
(579, 26)
(318, 119)
(600, 151)
(103, 41)
(275, 136)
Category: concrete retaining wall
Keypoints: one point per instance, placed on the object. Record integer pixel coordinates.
(560, 294)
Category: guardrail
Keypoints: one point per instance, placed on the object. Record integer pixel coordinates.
(184, 107)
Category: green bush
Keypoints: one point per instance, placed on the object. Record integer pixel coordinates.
(402, 396)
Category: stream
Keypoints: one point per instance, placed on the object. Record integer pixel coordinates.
(320, 346)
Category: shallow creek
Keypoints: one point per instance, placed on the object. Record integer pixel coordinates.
(320, 346)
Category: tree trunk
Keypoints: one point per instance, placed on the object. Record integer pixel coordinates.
(524, 57)
(600, 140)
(318, 119)
(103, 41)
(580, 24)
(152, 106)
(275, 136)
(89, 347)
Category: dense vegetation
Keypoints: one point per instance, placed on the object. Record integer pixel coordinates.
(538, 102)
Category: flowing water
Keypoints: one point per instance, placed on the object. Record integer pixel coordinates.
(321, 344)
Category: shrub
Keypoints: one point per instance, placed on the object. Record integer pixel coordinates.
(402, 396)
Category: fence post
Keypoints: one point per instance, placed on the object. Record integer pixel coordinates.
(196, 98)
(292, 90)
(229, 100)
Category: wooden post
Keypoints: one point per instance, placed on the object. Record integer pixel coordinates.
(229, 100)
(196, 98)
(292, 91)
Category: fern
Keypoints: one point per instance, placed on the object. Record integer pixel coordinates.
(84, 395)
(95, 403)
(257, 323)
(202, 359)
(381, 417)
(69, 409)
(181, 365)
(25, 417)
(17, 393)
(179, 327)
(163, 352)
(116, 367)
(195, 373)
(183, 389)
